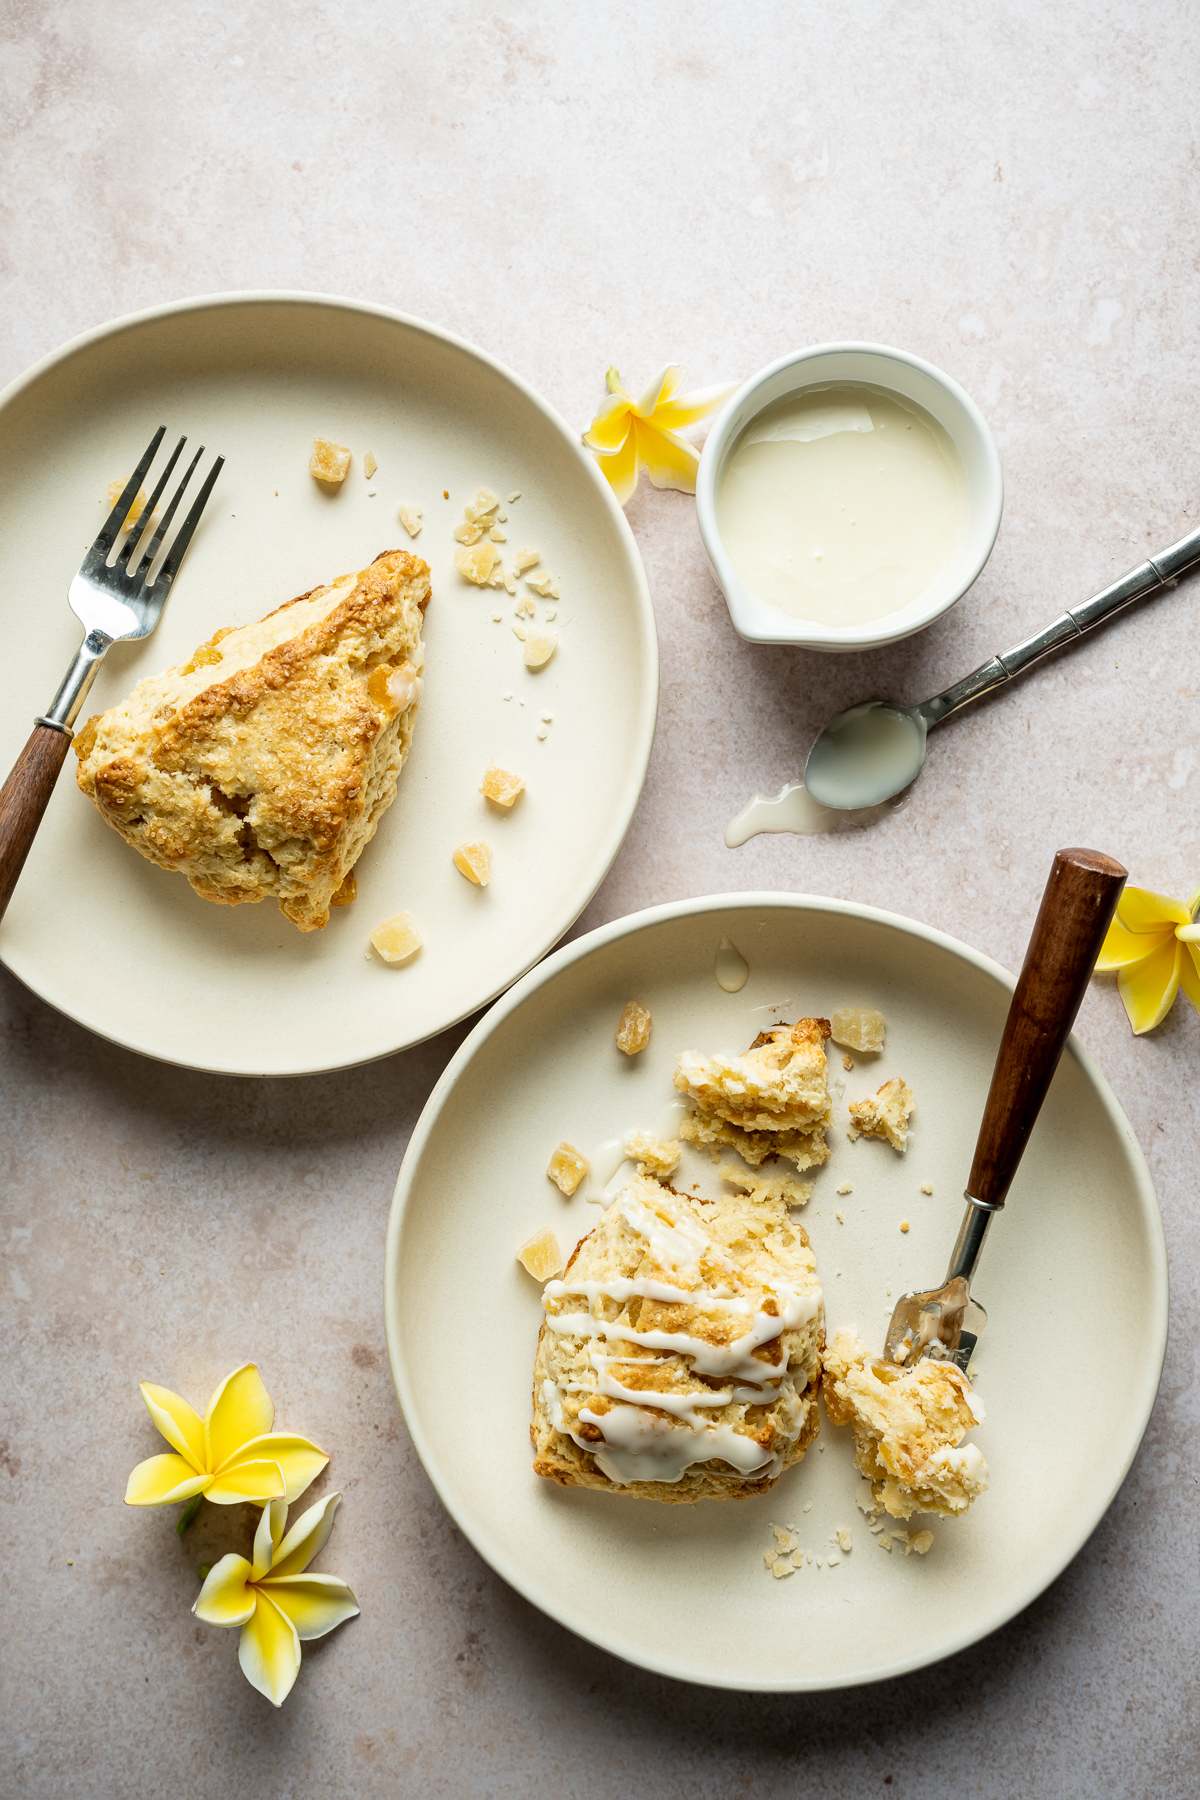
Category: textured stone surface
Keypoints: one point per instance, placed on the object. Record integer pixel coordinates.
(1008, 190)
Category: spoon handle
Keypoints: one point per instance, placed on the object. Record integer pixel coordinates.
(1156, 572)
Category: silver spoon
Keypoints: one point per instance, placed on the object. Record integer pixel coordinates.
(875, 750)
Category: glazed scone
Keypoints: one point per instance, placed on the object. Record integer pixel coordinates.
(679, 1358)
(884, 1114)
(908, 1428)
(261, 768)
(773, 1101)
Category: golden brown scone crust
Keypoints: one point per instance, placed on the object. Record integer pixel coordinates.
(757, 1253)
(261, 768)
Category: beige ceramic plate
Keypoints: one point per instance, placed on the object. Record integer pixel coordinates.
(128, 949)
(1074, 1277)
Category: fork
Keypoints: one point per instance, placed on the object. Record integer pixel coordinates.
(115, 604)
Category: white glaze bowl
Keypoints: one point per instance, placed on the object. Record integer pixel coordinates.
(909, 378)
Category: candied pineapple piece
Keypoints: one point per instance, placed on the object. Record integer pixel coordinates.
(397, 939)
(410, 517)
(369, 465)
(539, 648)
(480, 509)
(541, 1255)
(545, 585)
(115, 490)
(858, 1027)
(567, 1168)
(329, 462)
(477, 563)
(633, 1033)
(501, 786)
(526, 559)
(475, 862)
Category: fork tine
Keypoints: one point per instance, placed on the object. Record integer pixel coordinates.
(107, 535)
(138, 531)
(183, 536)
(143, 565)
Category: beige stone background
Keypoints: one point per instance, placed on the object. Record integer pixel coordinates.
(1007, 189)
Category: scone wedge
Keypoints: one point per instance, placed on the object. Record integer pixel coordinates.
(261, 768)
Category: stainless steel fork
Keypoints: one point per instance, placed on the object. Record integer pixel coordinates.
(114, 602)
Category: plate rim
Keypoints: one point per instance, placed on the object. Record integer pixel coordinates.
(547, 971)
(642, 739)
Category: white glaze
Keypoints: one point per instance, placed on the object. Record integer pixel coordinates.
(730, 967)
(793, 808)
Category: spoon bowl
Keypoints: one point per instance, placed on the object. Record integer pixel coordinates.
(867, 754)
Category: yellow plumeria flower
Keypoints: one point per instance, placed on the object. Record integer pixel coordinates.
(627, 433)
(230, 1456)
(1155, 945)
(276, 1604)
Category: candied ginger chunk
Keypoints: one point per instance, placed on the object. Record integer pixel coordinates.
(477, 563)
(858, 1027)
(410, 518)
(138, 506)
(475, 862)
(541, 1255)
(397, 939)
(369, 465)
(633, 1033)
(545, 585)
(539, 648)
(567, 1168)
(501, 786)
(480, 509)
(526, 559)
(329, 462)
(468, 533)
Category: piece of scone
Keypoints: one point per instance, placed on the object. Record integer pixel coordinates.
(884, 1114)
(908, 1428)
(773, 1101)
(261, 768)
(680, 1354)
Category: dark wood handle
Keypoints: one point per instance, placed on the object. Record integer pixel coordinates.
(24, 798)
(1076, 911)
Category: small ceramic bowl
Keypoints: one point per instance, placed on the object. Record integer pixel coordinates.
(909, 378)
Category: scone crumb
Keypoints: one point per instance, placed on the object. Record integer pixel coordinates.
(138, 507)
(884, 1542)
(847, 1062)
(653, 1155)
(397, 939)
(497, 618)
(921, 1542)
(526, 559)
(785, 1538)
(927, 1187)
(541, 1256)
(543, 732)
(567, 1167)
(840, 1217)
(845, 1188)
(885, 1114)
(476, 564)
(369, 465)
(767, 1187)
(329, 462)
(347, 894)
(410, 517)
(904, 1224)
(501, 786)
(633, 1032)
(475, 862)
(857, 1028)
(540, 648)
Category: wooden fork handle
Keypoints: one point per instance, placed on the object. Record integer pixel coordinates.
(24, 798)
(1076, 911)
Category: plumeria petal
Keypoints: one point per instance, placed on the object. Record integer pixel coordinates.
(162, 1479)
(621, 469)
(240, 1409)
(227, 1597)
(1189, 973)
(689, 409)
(266, 1538)
(660, 389)
(300, 1459)
(306, 1538)
(1122, 946)
(670, 461)
(1148, 988)
(610, 427)
(175, 1419)
(269, 1651)
(258, 1481)
(1139, 909)
(313, 1603)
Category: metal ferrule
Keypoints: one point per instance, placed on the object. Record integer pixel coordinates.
(968, 1246)
(64, 709)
